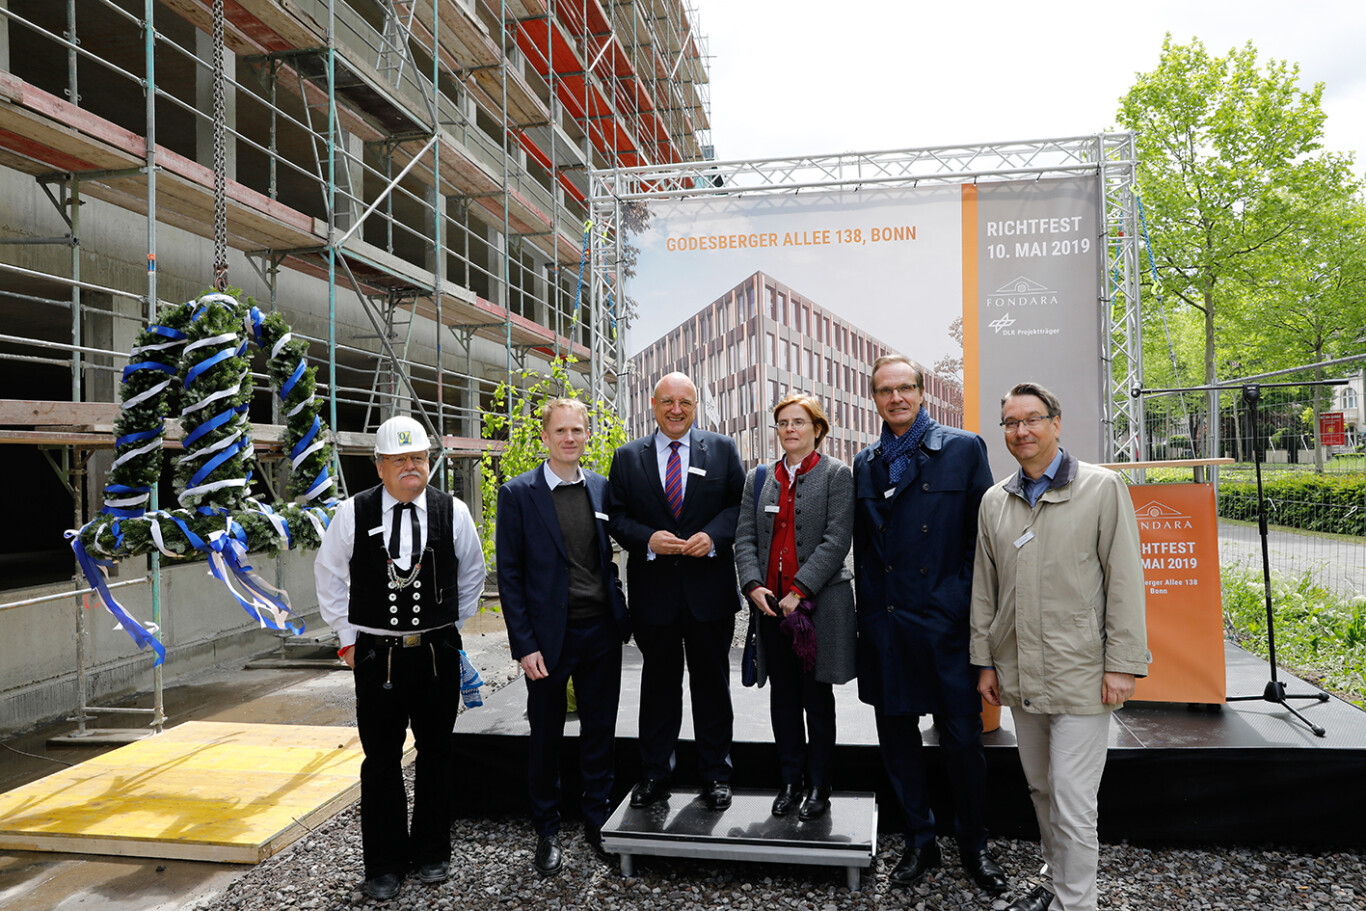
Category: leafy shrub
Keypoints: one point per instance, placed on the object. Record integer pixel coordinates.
(1319, 635)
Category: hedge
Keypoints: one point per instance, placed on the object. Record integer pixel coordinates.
(1335, 504)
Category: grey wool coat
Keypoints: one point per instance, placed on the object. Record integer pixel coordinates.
(824, 514)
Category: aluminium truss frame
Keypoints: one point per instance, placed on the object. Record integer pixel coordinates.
(1109, 156)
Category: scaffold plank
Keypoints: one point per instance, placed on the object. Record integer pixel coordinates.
(229, 793)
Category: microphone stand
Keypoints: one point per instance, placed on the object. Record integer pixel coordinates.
(1274, 692)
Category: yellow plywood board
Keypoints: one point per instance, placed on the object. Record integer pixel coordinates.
(234, 793)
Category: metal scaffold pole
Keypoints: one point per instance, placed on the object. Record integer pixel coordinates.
(154, 560)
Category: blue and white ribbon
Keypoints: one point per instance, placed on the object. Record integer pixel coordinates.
(96, 575)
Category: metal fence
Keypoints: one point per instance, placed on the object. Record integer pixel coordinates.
(1314, 482)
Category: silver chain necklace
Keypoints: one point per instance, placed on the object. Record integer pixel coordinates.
(400, 580)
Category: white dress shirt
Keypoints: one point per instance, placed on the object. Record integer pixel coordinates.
(553, 480)
(332, 567)
(662, 452)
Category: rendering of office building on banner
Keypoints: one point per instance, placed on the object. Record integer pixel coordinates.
(760, 341)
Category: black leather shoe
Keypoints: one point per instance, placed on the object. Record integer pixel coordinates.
(985, 871)
(593, 835)
(914, 864)
(786, 799)
(383, 887)
(648, 791)
(717, 795)
(433, 873)
(1037, 900)
(816, 804)
(548, 855)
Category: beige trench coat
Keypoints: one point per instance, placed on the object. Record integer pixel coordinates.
(1058, 593)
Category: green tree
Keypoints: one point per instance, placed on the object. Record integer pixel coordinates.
(1310, 304)
(1230, 163)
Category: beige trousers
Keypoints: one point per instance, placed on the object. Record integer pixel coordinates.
(1063, 757)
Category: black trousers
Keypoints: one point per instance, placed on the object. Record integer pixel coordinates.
(965, 763)
(802, 711)
(663, 649)
(592, 657)
(424, 693)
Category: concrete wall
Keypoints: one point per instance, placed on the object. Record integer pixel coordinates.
(202, 625)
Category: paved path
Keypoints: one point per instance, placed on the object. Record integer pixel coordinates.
(1338, 563)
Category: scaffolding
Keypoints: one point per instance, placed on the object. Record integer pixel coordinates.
(406, 182)
(1110, 156)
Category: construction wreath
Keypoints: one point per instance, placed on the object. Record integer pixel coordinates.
(194, 364)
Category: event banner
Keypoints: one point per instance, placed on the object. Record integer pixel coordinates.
(1178, 528)
(1031, 303)
(759, 294)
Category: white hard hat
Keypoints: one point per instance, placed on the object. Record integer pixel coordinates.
(399, 435)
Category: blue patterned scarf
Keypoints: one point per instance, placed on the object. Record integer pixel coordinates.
(897, 449)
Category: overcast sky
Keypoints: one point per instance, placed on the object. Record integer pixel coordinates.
(796, 77)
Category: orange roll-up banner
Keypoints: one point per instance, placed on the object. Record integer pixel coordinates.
(1179, 531)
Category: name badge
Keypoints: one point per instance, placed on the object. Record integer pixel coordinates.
(692, 469)
(600, 515)
(888, 493)
(771, 508)
(377, 530)
(1024, 539)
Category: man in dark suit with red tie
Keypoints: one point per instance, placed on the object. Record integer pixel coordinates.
(566, 619)
(673, 501)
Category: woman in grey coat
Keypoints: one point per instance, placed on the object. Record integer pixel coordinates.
(790, 548)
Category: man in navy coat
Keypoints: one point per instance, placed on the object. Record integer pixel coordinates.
(566, 618)
(915, 533)
(674, 498)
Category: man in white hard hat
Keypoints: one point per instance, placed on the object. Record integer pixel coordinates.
(398, 572)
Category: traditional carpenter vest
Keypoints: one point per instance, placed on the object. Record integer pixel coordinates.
(430, 600)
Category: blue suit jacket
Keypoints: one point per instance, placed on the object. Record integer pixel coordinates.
(662, 588)
(533, 566)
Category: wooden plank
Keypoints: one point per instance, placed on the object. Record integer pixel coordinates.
(230, 793)
(37, 413)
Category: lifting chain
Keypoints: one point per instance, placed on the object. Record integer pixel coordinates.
(220, 157)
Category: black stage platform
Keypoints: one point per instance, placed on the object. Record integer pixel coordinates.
(1246, 773)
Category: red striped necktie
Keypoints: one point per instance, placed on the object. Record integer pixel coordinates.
(673, 480)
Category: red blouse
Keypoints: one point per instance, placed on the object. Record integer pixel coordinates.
(782, 553)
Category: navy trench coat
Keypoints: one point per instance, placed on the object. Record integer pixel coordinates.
(913, 551)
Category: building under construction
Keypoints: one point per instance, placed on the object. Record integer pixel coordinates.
(407, 183)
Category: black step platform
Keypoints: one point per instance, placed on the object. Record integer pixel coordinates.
(1247, 773)
(683, 826)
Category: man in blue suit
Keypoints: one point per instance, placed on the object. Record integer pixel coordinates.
(915, 534)
(566, 618)
(673, 499)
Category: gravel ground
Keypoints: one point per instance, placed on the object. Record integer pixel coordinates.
(492, 869)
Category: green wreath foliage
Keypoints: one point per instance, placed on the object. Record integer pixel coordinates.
(214, 326)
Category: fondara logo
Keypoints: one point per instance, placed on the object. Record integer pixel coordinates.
(1022, 292)
(1155, 515)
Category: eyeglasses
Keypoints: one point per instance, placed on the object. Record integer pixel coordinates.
(886, 392)
(685, 404)
(796, 424)
(415, 458)
(1032, 423)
